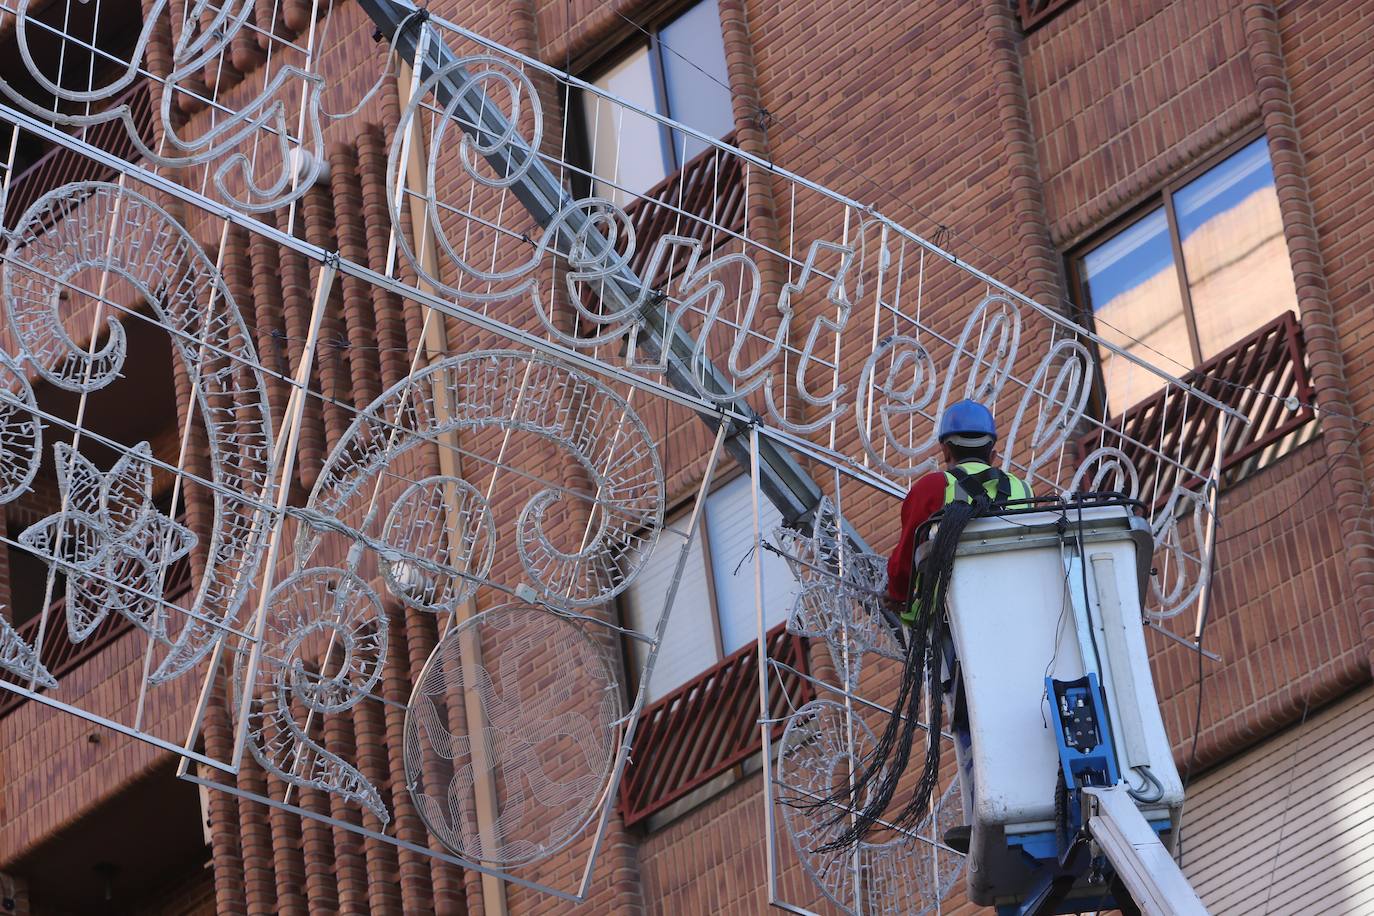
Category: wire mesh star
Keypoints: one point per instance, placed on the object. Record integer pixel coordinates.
(19, 658)
(841, 592)
(110, 540)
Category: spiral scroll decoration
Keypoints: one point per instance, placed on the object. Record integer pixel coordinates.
(503, 390)
(323, 649)
(99, 226)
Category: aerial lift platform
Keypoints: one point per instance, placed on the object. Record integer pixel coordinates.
(1070, 787)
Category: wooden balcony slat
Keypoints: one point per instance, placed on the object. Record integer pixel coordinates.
(1253, 375)
(1260, 401)
(707, 749)
(710, 197)
(705, 727)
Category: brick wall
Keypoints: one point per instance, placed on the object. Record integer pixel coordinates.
(1124, 97)
(1117, 98)
(1282, 617)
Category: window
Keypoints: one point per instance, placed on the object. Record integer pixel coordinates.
(81, 47)
(714, 613)
(1204, 266)
(678, 72)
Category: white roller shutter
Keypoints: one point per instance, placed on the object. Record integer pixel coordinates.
(1289, 826)
(730, 530)
(689, 644)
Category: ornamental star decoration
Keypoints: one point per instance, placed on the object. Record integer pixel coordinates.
(112, 543)
(841, 590)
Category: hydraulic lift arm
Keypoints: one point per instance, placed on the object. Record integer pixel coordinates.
(1146, 870)
(1103, 836)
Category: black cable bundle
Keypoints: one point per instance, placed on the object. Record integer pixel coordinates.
(873, 787)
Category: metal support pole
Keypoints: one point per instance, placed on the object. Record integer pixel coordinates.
(694, 523)
(291, 425)
(1209, 541)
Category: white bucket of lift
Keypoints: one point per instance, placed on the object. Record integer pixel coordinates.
(1013, 621)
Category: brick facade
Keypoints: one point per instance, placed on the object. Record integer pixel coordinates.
(1015, 147)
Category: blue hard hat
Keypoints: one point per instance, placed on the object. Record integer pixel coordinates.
(967, 418)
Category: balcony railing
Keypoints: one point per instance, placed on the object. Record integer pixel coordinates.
(1036, 12)
(704, 200)
(60, 655)
(1263, 376)
(59, 165)
(709, 725)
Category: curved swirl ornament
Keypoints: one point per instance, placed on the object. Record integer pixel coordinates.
(444, 540)
(1182, 575)
(903, 395)
(21, 433)
(1057, 395)
(324, 646)
(544, 746)
(498, 134)
(989, 341)
(1106, 469)
(98, 226)
(997, 322)
(897, 877)
(502, 391)
(204, 31)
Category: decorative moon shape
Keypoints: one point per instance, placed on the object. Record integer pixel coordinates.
(101, 226)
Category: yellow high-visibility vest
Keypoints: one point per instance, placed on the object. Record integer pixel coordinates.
(1016, 490)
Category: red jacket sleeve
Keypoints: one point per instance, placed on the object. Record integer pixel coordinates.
(927, 496)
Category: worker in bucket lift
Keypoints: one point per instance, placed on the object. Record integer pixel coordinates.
(967, 436)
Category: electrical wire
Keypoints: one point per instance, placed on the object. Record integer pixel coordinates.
(1287, 799)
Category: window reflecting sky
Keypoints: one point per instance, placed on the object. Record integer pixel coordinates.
(1235, 261)
(628, 149)
(1133, 287)
(1239, 274)
(696, 91)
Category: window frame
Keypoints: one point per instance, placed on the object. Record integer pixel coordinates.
(1159, 194)
(604, 63)
(680, 510)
